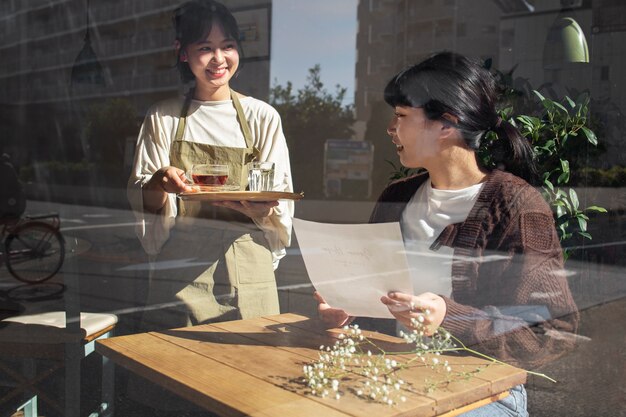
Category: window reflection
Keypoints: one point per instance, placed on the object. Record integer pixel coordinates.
(72, 144)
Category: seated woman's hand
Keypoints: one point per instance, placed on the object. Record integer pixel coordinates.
(332, 317)
(428, 308)
(252, 209)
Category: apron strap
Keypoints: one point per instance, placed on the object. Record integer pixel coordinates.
(243, 122)
(183, 117)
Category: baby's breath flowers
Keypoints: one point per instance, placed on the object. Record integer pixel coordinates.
(373, 375)
(350, 358)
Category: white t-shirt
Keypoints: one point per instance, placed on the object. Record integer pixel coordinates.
(428, 212)
(213, 123)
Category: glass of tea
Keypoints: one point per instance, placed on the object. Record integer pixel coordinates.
(209, 175)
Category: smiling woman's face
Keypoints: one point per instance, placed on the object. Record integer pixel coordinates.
(416, 137)
(213, 60)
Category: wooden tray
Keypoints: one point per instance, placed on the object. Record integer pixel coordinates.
(240, 196)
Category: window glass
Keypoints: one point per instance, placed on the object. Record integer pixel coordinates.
(78, 79)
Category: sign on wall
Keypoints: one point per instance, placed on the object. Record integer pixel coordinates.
(348, 168)
(254, 28)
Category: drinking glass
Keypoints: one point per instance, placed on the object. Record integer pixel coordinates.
(261, 176)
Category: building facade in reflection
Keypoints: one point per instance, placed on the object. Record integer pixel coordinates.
(63, 56)
(513, 34)
(393, 34)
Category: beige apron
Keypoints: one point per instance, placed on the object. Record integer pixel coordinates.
(216, 265)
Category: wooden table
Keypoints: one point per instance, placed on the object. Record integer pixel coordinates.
(254, 367)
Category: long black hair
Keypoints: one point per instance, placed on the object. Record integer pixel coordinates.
(451, 83)
(194, 20)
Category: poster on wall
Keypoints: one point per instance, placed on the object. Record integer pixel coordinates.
(254, 29)
(348, 168)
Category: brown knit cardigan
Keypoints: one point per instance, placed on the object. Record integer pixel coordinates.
(510, 297)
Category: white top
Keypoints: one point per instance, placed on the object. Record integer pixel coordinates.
(213, 123)
(426, 215)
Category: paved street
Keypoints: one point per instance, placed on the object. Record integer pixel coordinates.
(102, 246)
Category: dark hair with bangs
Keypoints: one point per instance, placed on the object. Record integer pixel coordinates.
(450, 83)
(194, 20)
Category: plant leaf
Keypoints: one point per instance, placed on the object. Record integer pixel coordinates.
(560, 106)
(538, 94)
(596, 208)
(525, 120)
(560, 212)
(563, 178)
(573, 198)
(591, 137)
(582, 223)
(548, 184)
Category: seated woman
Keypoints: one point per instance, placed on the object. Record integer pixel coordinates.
(485, 238)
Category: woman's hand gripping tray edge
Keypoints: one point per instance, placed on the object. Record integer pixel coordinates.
(164, 181)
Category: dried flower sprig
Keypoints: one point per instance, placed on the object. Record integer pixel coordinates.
(351, 358)
(374, 375)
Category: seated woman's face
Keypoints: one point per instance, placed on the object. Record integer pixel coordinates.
(415, 136)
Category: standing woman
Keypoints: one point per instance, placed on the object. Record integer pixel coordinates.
(483, 239)
(211, 262)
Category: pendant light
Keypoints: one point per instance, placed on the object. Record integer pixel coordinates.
(565, 43)
(87, 69)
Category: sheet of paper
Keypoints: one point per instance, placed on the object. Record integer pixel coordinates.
(353, 265)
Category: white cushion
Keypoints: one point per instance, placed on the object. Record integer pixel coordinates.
(90, 322)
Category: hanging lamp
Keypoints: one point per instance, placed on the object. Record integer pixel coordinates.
(565, 43)
(87, 69)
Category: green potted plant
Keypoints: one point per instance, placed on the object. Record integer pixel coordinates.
(558, 130)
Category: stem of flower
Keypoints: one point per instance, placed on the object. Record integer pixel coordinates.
(482, 355)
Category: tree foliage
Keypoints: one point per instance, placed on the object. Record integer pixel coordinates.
(385, 153)
(107, 127)
(310, 116)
